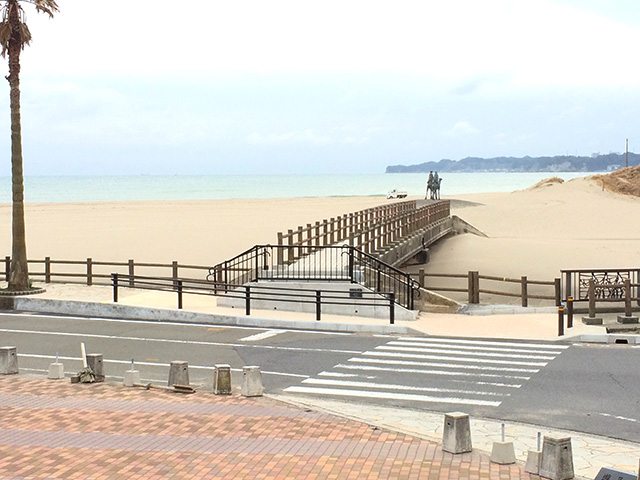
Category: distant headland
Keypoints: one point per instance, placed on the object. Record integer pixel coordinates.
(560, 163)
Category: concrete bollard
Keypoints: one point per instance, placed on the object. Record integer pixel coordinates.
(251, 382)
(56, 371)
(131, 377)
(222, 379)
(456, 437)
(95, 363)
(503, 452)
(8, 361)
(532, 465)
(557, 458)
(178, 373)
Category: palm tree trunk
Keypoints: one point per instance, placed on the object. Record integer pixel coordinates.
(18, 275)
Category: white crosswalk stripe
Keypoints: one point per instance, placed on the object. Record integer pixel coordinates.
(434, 370)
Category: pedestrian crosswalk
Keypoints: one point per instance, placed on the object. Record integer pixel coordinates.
(434, 370)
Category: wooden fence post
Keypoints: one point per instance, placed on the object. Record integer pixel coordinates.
(174, 270)
(7, 267)
(279, 249)
(421, 277)
(290, 251)
(474, 287)
(131, 273)
(89, 271)
(523, 289)
(556, 284)
(47, 269)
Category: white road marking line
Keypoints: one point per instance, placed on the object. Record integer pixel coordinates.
(337, 374)
(617, 417)
(484, 342)
(261, 336)
(473, 348)
(180, 342)
(458, 352)
(390, 396)
(386, 361)
(387, 386)
(431, 372)
(157, 364)
(160, 322)
(457, 359)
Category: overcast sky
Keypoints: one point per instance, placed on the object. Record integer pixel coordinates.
(349, 86)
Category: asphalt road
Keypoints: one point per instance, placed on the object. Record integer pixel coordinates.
(587, 388)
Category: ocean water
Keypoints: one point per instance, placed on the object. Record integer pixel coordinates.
(63, 189)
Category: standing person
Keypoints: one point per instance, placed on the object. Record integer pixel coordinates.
(429, 185)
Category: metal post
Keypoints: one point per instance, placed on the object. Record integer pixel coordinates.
(392, 308)
(351, 262)
(318, 304)
(556, 284)
(114, 281)
(247, 300)
(7, 267)
(179, 288)
(174, 269)
(570, 312)
(560, 321)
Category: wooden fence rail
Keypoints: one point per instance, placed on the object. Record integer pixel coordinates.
(473, 289)
(91, 272)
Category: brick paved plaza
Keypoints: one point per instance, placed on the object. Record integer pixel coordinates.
(56, 430)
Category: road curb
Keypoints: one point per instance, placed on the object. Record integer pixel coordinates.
(108, 310)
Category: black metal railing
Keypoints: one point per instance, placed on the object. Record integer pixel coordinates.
(251, 294)
(316, 263)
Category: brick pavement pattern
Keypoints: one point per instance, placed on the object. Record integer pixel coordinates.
(56, 430)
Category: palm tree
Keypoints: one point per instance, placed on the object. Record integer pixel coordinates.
(14, 35)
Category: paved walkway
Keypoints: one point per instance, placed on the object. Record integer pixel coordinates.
(56, 430)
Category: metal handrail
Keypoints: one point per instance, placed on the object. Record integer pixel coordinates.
(250, 293)
(316, 263)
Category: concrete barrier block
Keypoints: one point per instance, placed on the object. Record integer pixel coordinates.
(8, 361)
(96, 364)
(178, 373)
(532, 465)
(592, 320)
(557, 458)
(456, 436)
(56, 371)
(503, 453)
(627, 320)
(131, 377)
(222, 379)
(251, 382)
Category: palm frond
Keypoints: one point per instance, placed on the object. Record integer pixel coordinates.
(46, 6)
(5, 35)
(25, 35)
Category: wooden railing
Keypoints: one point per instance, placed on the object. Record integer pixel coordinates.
(93, 272)
(472, 286)
(368, 230)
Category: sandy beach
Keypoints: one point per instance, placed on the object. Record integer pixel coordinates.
(534, 232)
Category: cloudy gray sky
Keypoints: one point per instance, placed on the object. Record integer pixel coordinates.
(255, 86)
